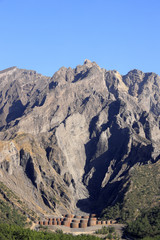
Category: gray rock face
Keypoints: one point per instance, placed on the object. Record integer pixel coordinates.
(69, 142)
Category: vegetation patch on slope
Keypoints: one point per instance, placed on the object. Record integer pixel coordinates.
(147, 225)
(12, 209)
(109, 232)
(10, 215)
(143, 193)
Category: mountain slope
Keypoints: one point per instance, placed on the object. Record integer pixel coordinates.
(74, 140)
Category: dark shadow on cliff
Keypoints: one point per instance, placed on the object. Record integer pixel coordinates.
(27, 163)
(106, 190)
(117, 148)
(15, 111)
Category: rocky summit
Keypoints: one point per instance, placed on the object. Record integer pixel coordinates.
(74, 142)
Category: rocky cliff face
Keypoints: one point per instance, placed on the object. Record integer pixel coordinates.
(70, 142)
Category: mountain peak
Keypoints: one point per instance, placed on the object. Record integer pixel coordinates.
(88, 63)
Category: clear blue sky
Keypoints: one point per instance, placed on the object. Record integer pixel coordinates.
(44, 35)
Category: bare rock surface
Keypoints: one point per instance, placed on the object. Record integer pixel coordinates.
(69, 142)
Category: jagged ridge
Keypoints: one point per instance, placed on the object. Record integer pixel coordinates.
(72, 140)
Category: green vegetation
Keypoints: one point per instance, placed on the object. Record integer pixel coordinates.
(105, 230)
(12, 209)
(113, 212)
(143, 193)
(151, 238)
(147, 225)
(140, 206)
(10, 215)
(6, 192)
(14, 232)
(109, 232)
(59, 231)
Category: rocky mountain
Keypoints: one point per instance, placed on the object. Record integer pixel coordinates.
(75, 141)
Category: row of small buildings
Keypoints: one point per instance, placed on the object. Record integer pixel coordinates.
(76, 221)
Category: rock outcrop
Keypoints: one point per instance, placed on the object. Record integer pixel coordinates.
(69, 142)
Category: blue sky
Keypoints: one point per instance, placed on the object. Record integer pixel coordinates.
(44, 35)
